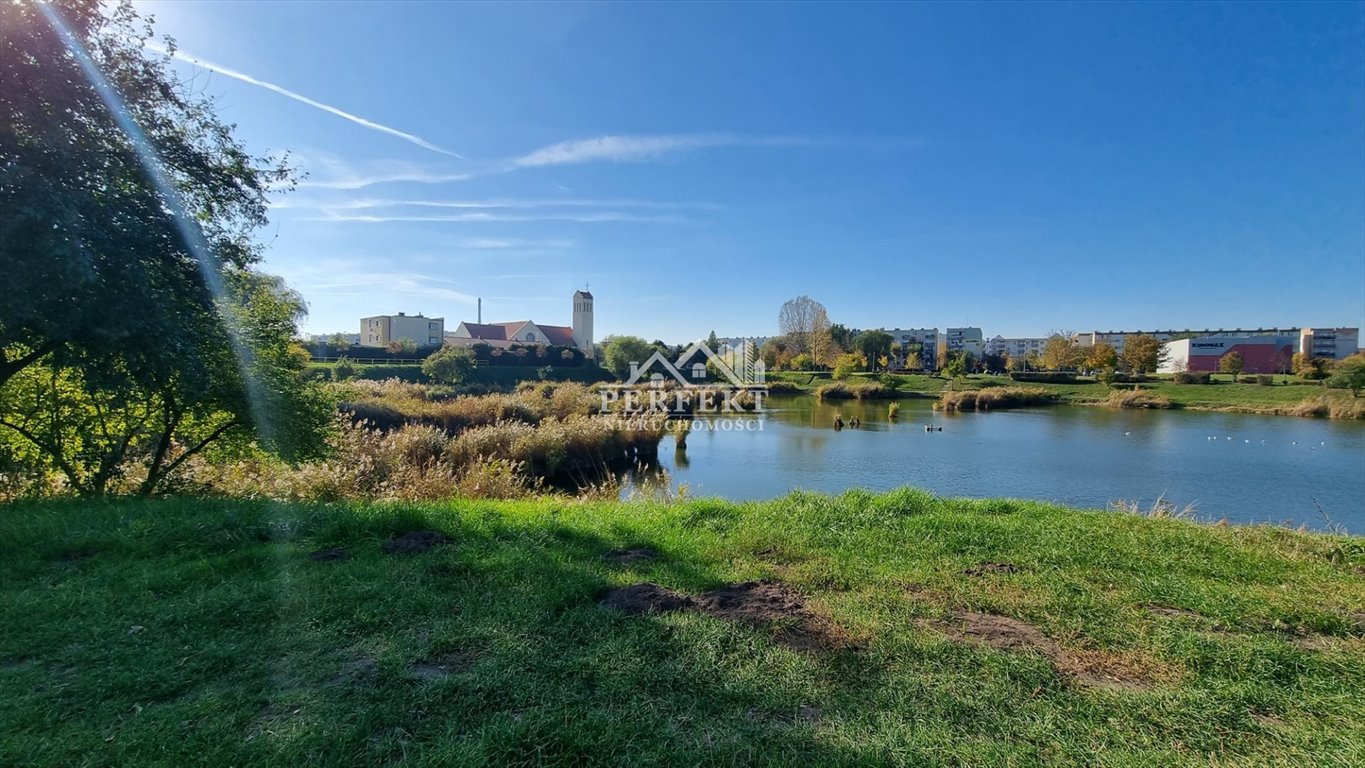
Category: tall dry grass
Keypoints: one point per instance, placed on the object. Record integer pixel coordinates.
(1325, 407)
(1136, 398)
(995, 398)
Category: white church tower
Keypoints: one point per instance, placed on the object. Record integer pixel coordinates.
(582, 321)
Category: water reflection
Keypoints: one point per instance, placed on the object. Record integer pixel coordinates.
(1259, 468)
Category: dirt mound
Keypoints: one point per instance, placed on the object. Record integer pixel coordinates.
(631, 556)
(1001, 632)
(413, 542)
(985, 568)
(335, 553)
(770, 605)
(646, 597)
(1092, 668)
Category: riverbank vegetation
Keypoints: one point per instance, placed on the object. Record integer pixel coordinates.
(995, 398)
(1292, 398)
(808, 630)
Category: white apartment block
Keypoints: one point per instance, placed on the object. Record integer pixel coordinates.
(969, 340)
(382, 330)
(926, 338)
(1017, 348)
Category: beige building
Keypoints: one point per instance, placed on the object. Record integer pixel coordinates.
(382, 330)
(1331, 343)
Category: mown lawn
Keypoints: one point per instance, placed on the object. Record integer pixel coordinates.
(202, 632)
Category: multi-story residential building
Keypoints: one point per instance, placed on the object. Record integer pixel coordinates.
(1018, 348)
(381, 330)
(969, 340)
(1261, 353)
(1331, 343)
(906, 338)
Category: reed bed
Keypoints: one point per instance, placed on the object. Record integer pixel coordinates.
(996, 398)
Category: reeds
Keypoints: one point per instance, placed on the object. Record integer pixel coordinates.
(995, 398)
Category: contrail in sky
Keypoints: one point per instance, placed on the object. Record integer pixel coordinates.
(372, 125)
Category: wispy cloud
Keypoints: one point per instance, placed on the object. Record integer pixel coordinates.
(497, 244)
(360, 182)
(350, 278)
(281, 90)
(637, 148)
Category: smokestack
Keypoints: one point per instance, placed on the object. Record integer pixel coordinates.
(480, 320)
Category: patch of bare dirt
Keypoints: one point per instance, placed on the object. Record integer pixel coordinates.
(646, 597)
(357, 670)
(1268, 720)
(441, 667)
(804, 714)
(1172, 613)
(770, 605)
(328, 555)
(1091, 668)
(984, 568)
(631, 556)
(413, 543)
(1311, 642)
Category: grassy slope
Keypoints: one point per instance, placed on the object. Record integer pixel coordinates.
(184, 632)
(1223, 394)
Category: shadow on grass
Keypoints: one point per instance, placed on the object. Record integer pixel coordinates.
(201, 631)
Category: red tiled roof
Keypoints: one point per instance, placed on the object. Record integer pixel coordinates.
(558, 334)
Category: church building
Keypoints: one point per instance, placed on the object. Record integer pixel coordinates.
(529, 332)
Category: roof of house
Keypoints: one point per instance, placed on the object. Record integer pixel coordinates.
(554, 334)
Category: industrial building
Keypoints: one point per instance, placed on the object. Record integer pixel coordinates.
(1265, 353)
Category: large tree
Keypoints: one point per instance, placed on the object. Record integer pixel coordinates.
(1142, 353)
(874, 346)
(799, 318)
(621, 351)
(129, 276)
(1062, 353)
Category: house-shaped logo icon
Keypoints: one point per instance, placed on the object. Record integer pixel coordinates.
(691, 369)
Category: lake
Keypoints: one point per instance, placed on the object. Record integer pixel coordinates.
(1245, 468)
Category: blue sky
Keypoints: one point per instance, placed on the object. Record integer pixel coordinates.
(1019, 167)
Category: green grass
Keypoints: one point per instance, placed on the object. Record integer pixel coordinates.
(186, 631)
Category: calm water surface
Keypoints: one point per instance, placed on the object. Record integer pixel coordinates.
(1242, 467)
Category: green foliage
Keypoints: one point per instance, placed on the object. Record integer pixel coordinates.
(873, 345)
(1349, 374)
(1192, 377)
(343, 369)
(955, 365)
(1232, 363)
(802, 362)
(846, 364)
(135, 363)
(621, 351)
(449, 365)
(1141, 353)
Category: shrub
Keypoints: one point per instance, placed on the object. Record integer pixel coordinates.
(343, 370)
(450, 365)
(1192, 377)
(1050, 377)
(1265, 380)
(996, 398)
(783, 388)
(1135, 398)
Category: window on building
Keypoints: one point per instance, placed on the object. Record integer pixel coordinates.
(530, 336)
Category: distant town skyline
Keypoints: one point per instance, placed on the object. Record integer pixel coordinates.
(1021, 168)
